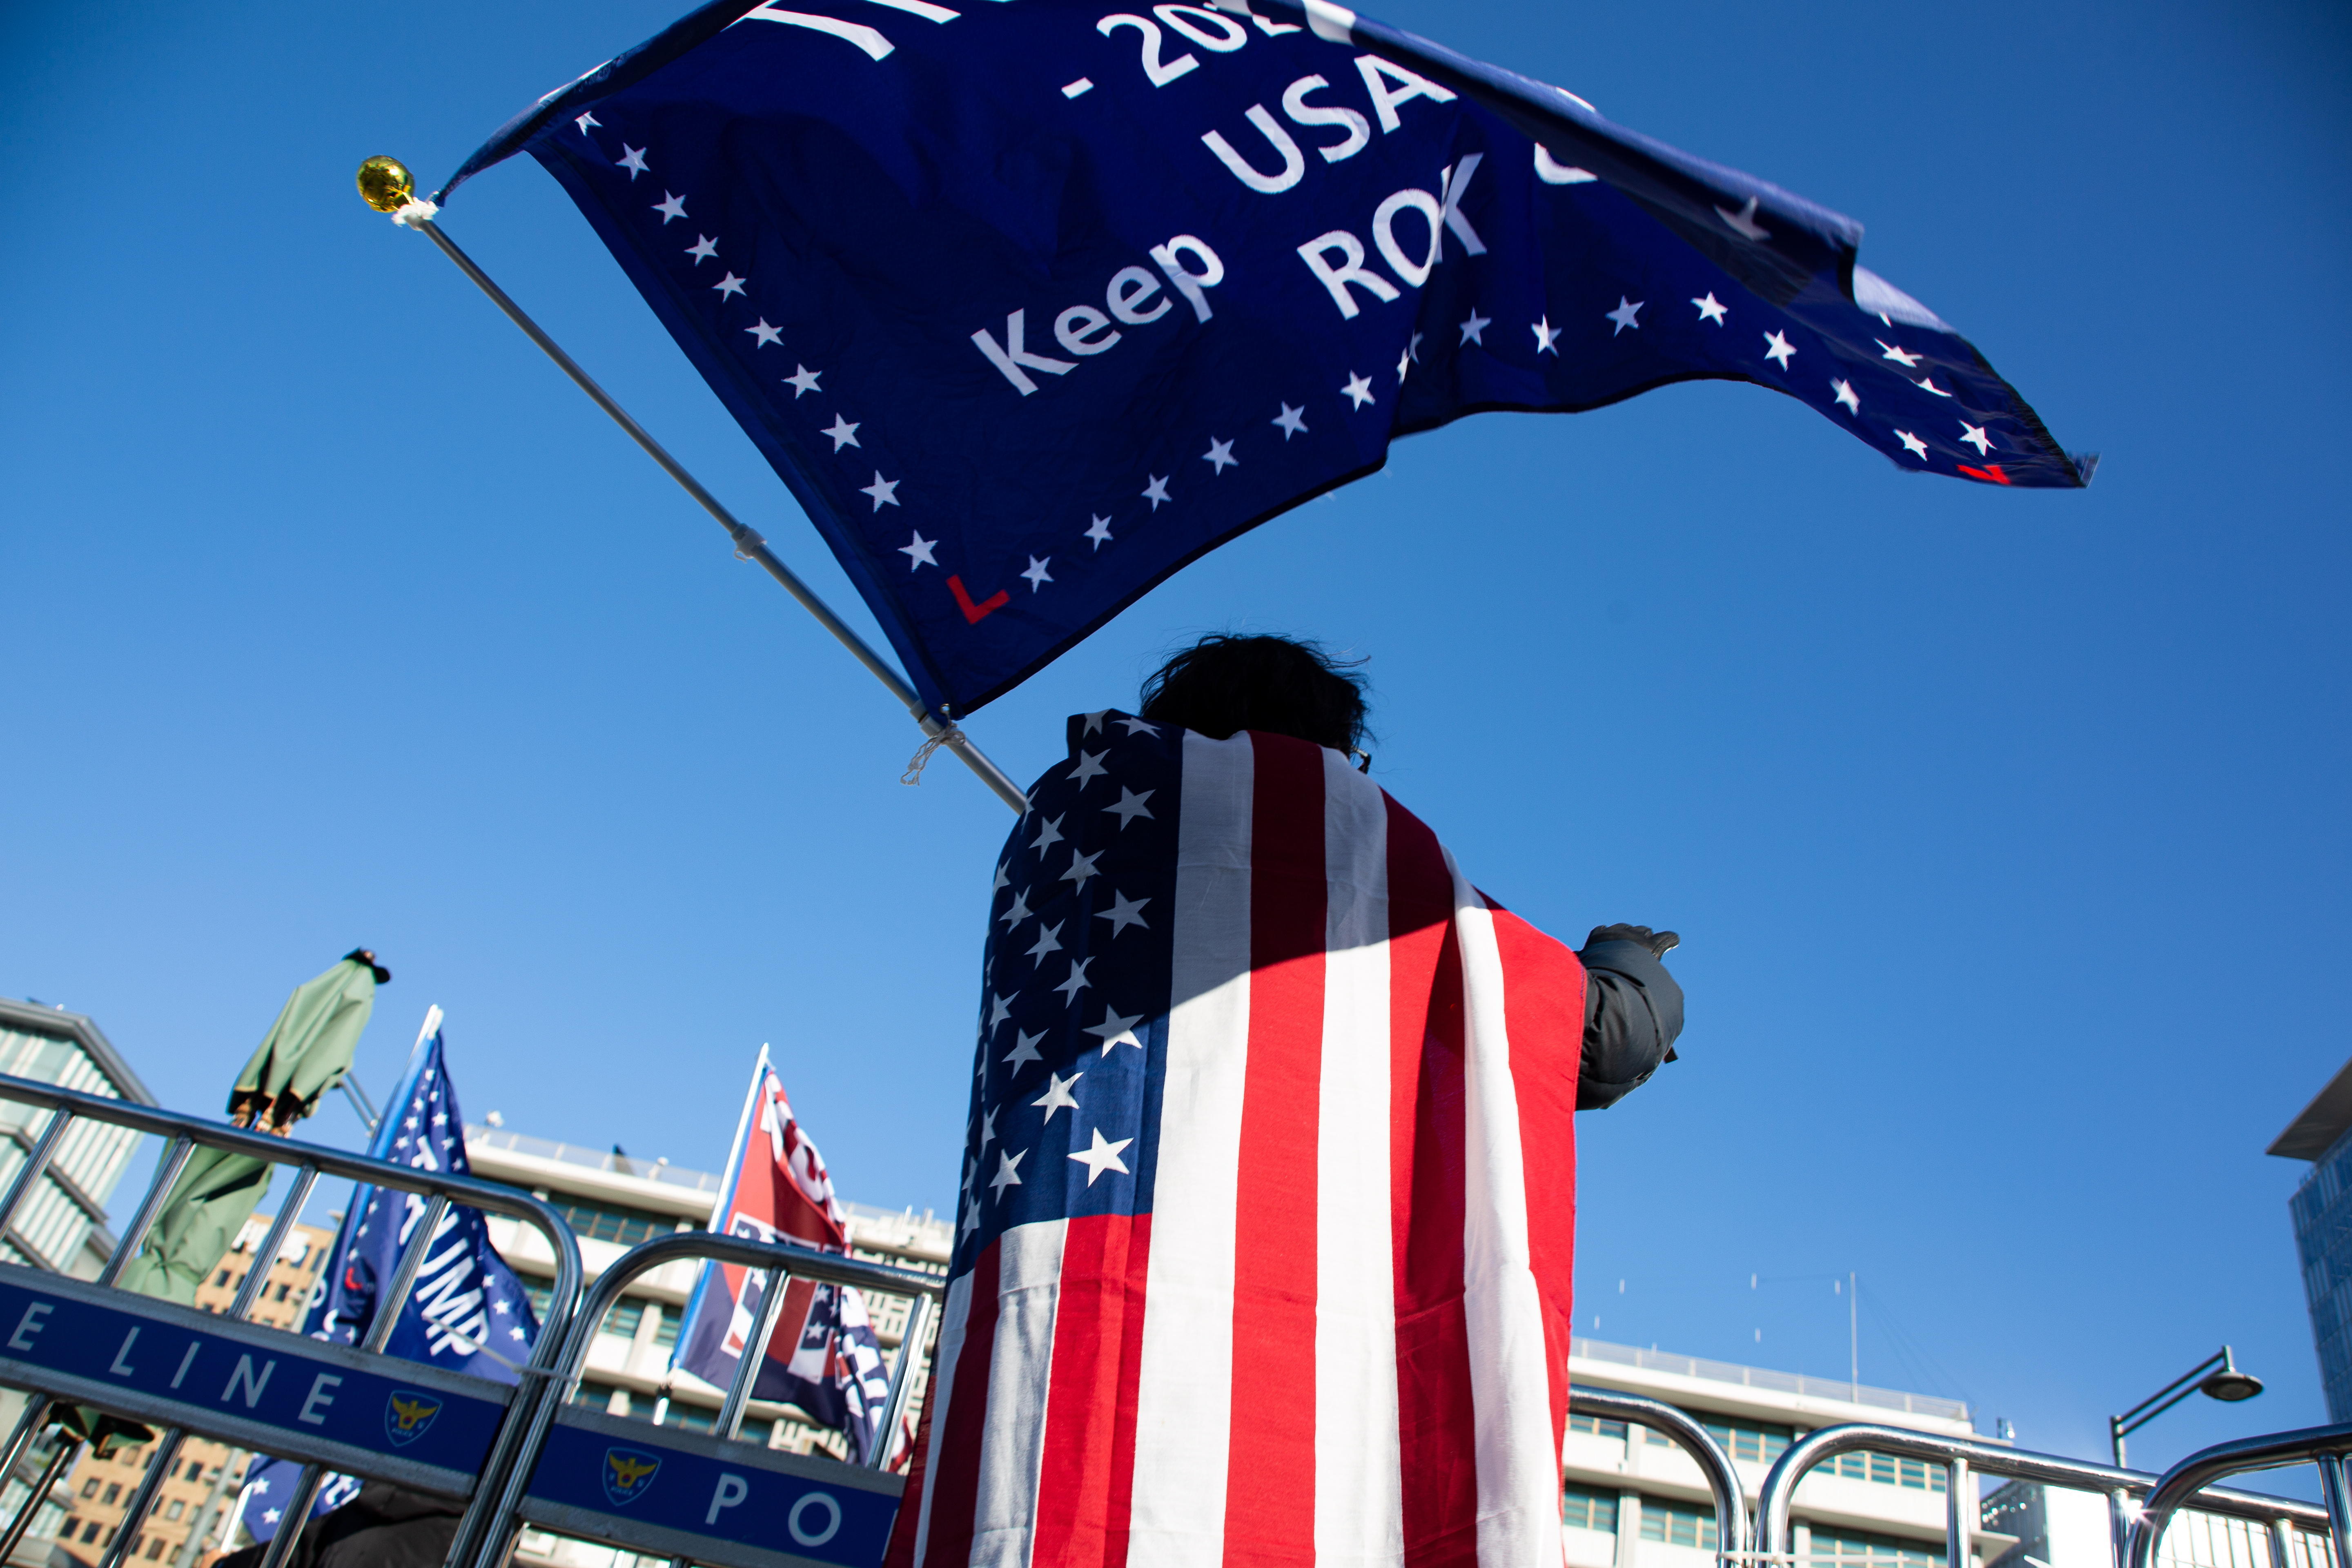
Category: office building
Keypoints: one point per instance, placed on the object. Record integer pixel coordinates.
(62, 1224)
(2322, 1211)
(613, 1202)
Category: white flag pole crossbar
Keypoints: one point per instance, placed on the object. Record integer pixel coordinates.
(747, 540)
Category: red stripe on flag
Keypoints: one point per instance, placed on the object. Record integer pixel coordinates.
(1437, 1440)
(900, 1553)
(1543, 1012)
(1269, 1517)
(1088, 1463)
(955, 1496)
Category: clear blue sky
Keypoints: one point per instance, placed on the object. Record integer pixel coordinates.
(2007, 832)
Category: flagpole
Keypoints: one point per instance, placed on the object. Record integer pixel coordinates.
(748, 544)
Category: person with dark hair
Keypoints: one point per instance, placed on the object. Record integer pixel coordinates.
(1290, 1280)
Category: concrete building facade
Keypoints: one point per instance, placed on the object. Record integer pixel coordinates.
(2322, 1212)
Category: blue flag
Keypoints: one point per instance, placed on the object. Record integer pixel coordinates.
(1031, 305)
(467, 1311)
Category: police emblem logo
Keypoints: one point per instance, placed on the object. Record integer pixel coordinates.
(629, 1473)
(408, 1414)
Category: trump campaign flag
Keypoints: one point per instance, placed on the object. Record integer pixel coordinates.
(1269, 1194)
(825, 1356)
(1031, 305)
(466, 1312)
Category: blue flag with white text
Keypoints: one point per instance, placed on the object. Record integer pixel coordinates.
(466, 1312)
(1031, 305)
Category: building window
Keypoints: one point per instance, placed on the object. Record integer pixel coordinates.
(195, 1471)
(1886, 1470)
(594, 1396)
(623, 1320)
(1849, 1549)
(666, 1330)
(90, 1532)
(113, 1491)
(155, 1548)
(222, 1277)
(176, 1510)
(1593, 1427)
(1588, 1509)
(282, 1291)
(1751, 1440)
(1677, 1523)
(614, 1222)
(89, 1486)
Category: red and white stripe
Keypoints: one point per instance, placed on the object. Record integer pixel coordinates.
(1341, 1335)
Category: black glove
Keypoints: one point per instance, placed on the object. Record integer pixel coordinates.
(1659, 942)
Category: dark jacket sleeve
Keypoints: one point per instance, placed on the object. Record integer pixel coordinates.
(1633, 1011)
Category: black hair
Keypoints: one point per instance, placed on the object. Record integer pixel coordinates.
(1224, 684)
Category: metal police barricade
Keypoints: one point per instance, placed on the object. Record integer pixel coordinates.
(2188, 1484)
(711, 1497)
(334, 1407)
(1964, 1459)
(1730, 1505)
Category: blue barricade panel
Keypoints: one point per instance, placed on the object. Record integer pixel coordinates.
(259, 1388)
(684, 1494)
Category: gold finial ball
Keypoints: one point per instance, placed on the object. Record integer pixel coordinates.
(386, 184)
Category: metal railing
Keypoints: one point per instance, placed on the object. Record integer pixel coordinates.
(780, 1262)
(1730, 1505)
(1964, 1459)
(2189, 1482)
(185, 1135)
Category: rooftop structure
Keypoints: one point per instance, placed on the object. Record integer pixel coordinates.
(2322, 1211)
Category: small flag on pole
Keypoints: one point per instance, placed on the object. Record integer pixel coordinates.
(1029, 306)
(825, 1356)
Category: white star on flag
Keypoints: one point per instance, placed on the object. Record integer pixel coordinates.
(1625, 314)
(1103, 1156)
(1037, 575)
(803, 379)
(1293, 422)
(633, 159)
(670, 206)
(1472, 326)
(1219, 455)
(1099, 530)
(1006, 1169)
(1710, 309)
(766, 334)
(1058, 1096)
(1124, 912)
(729, 286)
(1404, 362)
(1899, 356)
(1130, 805)
(1156, 491)
(1546, 335)
(1974, 435)
(1001, 1011)
(1138, 727)
(988, 1128)
(585, 120)
(884, 491)
(1359, 390)
(919, 552)
(1916, 447)
(1025, 1049)
(704, 248)
(1078, 981)
(1844, 390)
(1048, 834)
(845, 434)
(1017, 911)
(1082, 867)
(1049, 940)
(1115, 1030)
(1777, 347)
(1088, 766)
(1929, 385)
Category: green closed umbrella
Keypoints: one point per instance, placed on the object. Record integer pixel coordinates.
(306, 1053)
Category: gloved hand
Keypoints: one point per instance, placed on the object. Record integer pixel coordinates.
(1659, 942)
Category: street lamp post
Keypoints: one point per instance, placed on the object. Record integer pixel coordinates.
(2216, 1377)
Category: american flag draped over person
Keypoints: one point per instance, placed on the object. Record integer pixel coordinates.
(1029, 306)
(825, 1356)
(1269, 1193)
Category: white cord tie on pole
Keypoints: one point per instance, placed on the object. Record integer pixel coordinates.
(416, 213)
(947, 737)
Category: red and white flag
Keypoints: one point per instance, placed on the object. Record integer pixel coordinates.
(1269, 1190)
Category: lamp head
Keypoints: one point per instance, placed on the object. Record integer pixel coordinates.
(2230, 1385)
